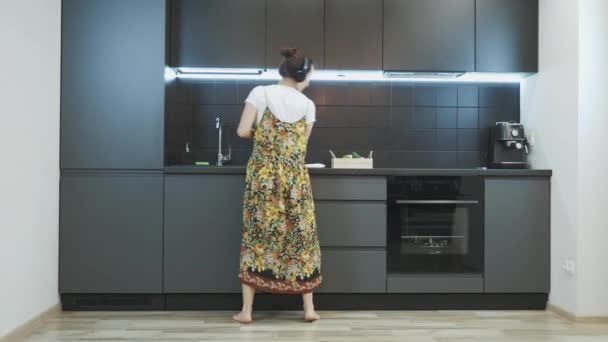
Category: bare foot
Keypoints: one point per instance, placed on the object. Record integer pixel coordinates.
(311, 316)
(243, 317)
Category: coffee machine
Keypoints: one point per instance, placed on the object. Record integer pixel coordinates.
(508, 146)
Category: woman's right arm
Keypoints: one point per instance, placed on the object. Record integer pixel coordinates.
(245, 129)
(308, 130)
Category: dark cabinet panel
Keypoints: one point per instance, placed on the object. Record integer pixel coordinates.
(218, 33)
(517, 225)
(295, 23)
(429, 35)
(203, 225)
(353, 270)
(351, 224)
(435, 283)
(507, 36)
(112, 84)
(110, 233)
(353, 34)
(349, 188)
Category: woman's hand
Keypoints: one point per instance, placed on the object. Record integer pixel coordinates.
(246, 125)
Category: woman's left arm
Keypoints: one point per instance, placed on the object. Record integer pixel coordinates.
(245, 129)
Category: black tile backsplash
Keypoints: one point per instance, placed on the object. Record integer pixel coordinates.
(405, 124)
(468, 140)
(446, 96)
(468, 96)
(424, 96)
(422, 118)
(446, 117)
(468, 117)
(401, 95)
(446, 139)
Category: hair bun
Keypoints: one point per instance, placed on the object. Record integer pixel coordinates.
(289, 52)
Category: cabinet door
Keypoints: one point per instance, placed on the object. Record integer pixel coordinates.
(218, 33)
(429, 35)
(112, 84)
(203, 225)
(349, 188)
(353, 270)
(517, 224)
(295, 23)
(110, 233)
(353, 34)
(507, 36)
(351, 223)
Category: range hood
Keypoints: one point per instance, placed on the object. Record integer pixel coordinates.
(422, 74)
(339, 76)
(218, 71)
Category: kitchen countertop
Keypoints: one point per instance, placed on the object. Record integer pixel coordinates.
(240, 169)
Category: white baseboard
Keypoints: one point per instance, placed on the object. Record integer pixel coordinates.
(30, 326)
(574, 318)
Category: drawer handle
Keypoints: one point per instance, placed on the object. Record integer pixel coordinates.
(435, 202)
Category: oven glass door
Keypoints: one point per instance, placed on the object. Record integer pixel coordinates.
(442, 236)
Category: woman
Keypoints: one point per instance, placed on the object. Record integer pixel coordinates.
(280, 248)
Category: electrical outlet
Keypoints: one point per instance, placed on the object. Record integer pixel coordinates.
(531, 139)
(569, 267)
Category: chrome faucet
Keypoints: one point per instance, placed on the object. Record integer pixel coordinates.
(220, 157)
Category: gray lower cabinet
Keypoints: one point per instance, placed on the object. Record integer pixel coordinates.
(353, 270)
(517, 235)
(112, 84)
(110, 233)
(203, 225)
(351, 223)
(349, 188)
(434, 283)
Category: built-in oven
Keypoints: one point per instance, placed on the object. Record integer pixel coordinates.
(435, 225)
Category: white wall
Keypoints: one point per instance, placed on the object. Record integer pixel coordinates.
(593, 159)
(565, 106)
(549, 111)
(29, 154)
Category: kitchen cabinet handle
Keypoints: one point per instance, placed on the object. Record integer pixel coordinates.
(435, 202)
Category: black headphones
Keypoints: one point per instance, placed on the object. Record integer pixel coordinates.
(301, 73)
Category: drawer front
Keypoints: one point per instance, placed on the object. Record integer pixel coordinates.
(426, 284)
(349, 188)
(353, 271)
(351, 224)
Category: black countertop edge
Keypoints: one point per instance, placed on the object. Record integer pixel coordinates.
(240, 169)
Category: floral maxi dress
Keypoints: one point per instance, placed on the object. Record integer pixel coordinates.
(280, 248)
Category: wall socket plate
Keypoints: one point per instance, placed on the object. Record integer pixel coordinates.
(531, 138)
(569, 267)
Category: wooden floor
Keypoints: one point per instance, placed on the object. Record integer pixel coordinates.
(380, 326)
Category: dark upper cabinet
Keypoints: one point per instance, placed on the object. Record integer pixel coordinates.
(517, 235)
(429, 35)
(507, 36)
(112, 84)
(295, 23)
(218, 33)
(353, 34)
(111, 233)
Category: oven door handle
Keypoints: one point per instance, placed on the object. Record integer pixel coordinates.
(436, 202)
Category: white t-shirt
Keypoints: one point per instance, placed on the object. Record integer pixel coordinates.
(286, 103)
